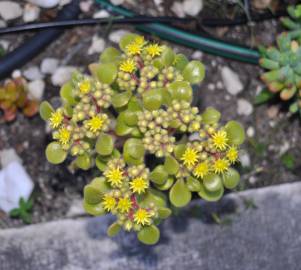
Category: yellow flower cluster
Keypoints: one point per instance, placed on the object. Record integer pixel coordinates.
(127, 184)
(217, 162)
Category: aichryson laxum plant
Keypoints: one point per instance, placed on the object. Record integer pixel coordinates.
(134, 121)
(284, 61)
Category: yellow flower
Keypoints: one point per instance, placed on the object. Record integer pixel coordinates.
(109, 202)
(63, 136)
(154, 50)
(201, 169)
(85, 86)
(220, 166)
(190, 157)
(139, 40)
(95, 123)
(142, 217)
(133, 48)
(220, 140)
(56, 118)
(114, 176)
(128, 65)
(124, 205)
(139, 185)
(232, 154)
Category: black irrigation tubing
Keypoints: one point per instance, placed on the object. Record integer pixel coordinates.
(66, 18)
(85, 22)
(36, 44)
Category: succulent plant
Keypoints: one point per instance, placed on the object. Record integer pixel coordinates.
(14, 96)
(134, 121)
(293, 22)
(284, 62)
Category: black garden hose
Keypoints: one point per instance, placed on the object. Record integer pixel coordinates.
(30, 48)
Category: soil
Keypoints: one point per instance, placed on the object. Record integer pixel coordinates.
(275, 129)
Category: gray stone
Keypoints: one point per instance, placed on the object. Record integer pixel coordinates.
(10, 10)
(265, 236)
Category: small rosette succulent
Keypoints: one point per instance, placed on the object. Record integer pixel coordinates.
(134, 121)
(283, 62)
(14, 97)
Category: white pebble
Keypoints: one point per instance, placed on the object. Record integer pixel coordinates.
(15, 184)
(62, 75)
(244, 159)
(31, 13)
(16, 73)
(49, 65)
(97, 46)
(115, 36)
(7, 156)
(101, 14)
(44, 3)
(85, 6)
(117, 2)
(197, 55)
(33, 73)
(244, 107)
(192, 7)
(177, 8)
(5, 44)
(10, 10)
(250, 132)
(211, 86)
(36, 89)
(231, 81)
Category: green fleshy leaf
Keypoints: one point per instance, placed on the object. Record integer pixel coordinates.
(193, 184)
(152, 196)
(149, 235)
(166, 96)
(167, 185)
(179, 150)
(107, 72)
(68, 110)
(180, 90)
(66, 93)
(45, 110)
(113, 230)
(181, 62)
(134, 148)
(167, 56)
(55, 154)
(132, 161)
(94, 209)
(92, 195)
(110, 55)
(126, 40)
(122, 129)
(212, 182)
(194, 72)
(231, 178)
(171, 165)
(159, 175)
(83, 162)
(101, 163)
(121, 99)
(164, 212)
(104, 144)
(100, 184)
(210, 196)
(294, 107)
(152, 99)
(235, 133)
(131, 118)
(211, 116)
(263, 97)
(179, 195)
